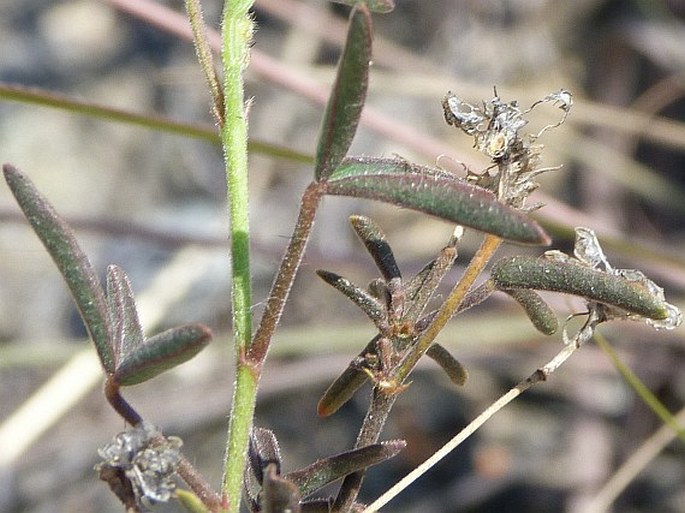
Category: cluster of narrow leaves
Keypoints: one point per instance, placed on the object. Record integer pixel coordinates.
(127, 356)
(268, 489)
(396, 307)
(110, 316)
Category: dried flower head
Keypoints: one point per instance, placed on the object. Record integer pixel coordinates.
(495, 130)
(139, 466)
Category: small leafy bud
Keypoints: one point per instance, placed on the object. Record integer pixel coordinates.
(377, 245)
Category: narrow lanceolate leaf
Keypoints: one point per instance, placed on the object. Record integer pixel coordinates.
(373, 308)
(452, 367)
(347, 98)
(72, 263)
(436, 193)
(327, 470)
(537, 310)
(544, 274)
(345, 385)
(162, 352)
(377, 245)
(128, 333)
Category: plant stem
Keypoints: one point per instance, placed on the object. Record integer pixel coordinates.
(451, 304)
(376, 415)
(311, 199)
(538, 376)
(120, 405)
(236, 38)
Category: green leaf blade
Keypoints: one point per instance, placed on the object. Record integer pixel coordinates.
(571, 278)
(345, 104)
(436, 193)
(162, 352)
(70, 259)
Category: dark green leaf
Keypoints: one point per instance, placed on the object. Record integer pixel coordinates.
(433, 192)
(368, 304)
(162, 352)
(545, 274)
(377, 245)
(345, 385)
(324, 471)
(347, 98)
(72, 263)
(128, 333)
(537, 310)
(452, 367)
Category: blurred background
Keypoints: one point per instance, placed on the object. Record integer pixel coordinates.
(154, 203)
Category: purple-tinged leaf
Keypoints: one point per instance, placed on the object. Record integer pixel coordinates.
(128, 333)
(162, 352)
(72, 263)
(379, 6)
(367, 166)
(433, 192)
(326, 470)
(523, 272)
(347, 98)
(262, 451)
(452, 367)
(377, 245)
(537, 310)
